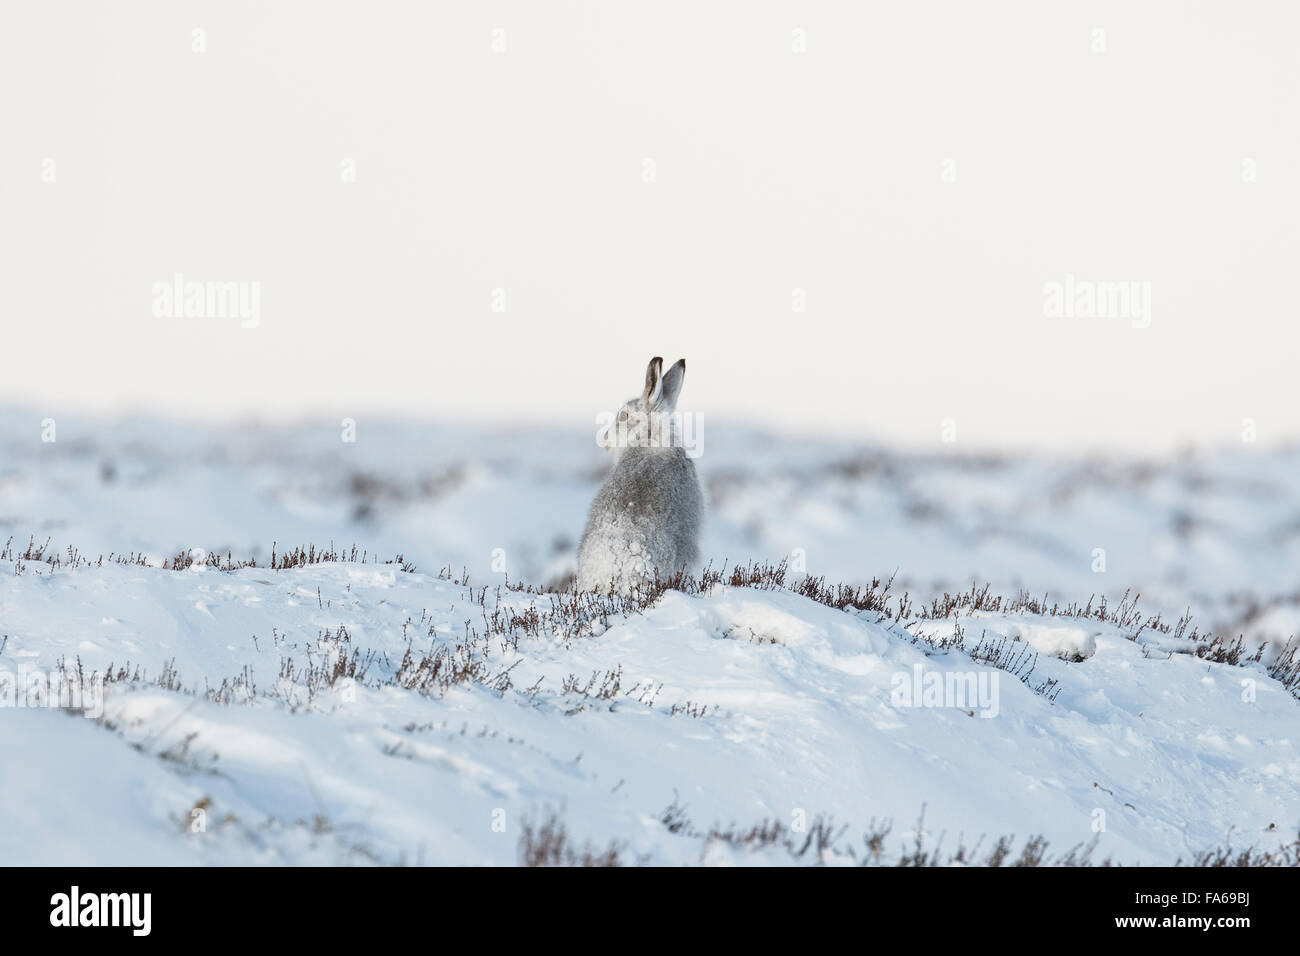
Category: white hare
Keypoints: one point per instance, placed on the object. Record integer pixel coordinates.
(646, 517)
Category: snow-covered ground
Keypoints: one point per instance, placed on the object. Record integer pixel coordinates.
(234, 734)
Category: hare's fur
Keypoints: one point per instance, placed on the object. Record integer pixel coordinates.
(646, 517)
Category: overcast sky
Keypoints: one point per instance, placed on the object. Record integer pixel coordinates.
(678, 179)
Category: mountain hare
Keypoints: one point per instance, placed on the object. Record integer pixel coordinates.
(646, 516)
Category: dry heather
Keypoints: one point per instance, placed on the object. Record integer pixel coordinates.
(550, 844)
(571, 614)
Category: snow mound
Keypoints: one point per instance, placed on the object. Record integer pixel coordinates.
(356, 713)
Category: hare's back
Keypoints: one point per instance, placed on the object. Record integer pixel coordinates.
(657, 484)
(647, 511)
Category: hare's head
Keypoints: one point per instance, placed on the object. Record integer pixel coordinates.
(649, 421)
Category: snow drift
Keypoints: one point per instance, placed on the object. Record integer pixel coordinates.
(342, 712)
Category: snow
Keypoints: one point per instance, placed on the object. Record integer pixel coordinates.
(735, 706)
(800, 717)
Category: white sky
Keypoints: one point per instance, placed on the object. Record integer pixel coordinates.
(523, 170)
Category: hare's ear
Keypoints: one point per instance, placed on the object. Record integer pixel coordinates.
(653, 381)
(672, 384)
